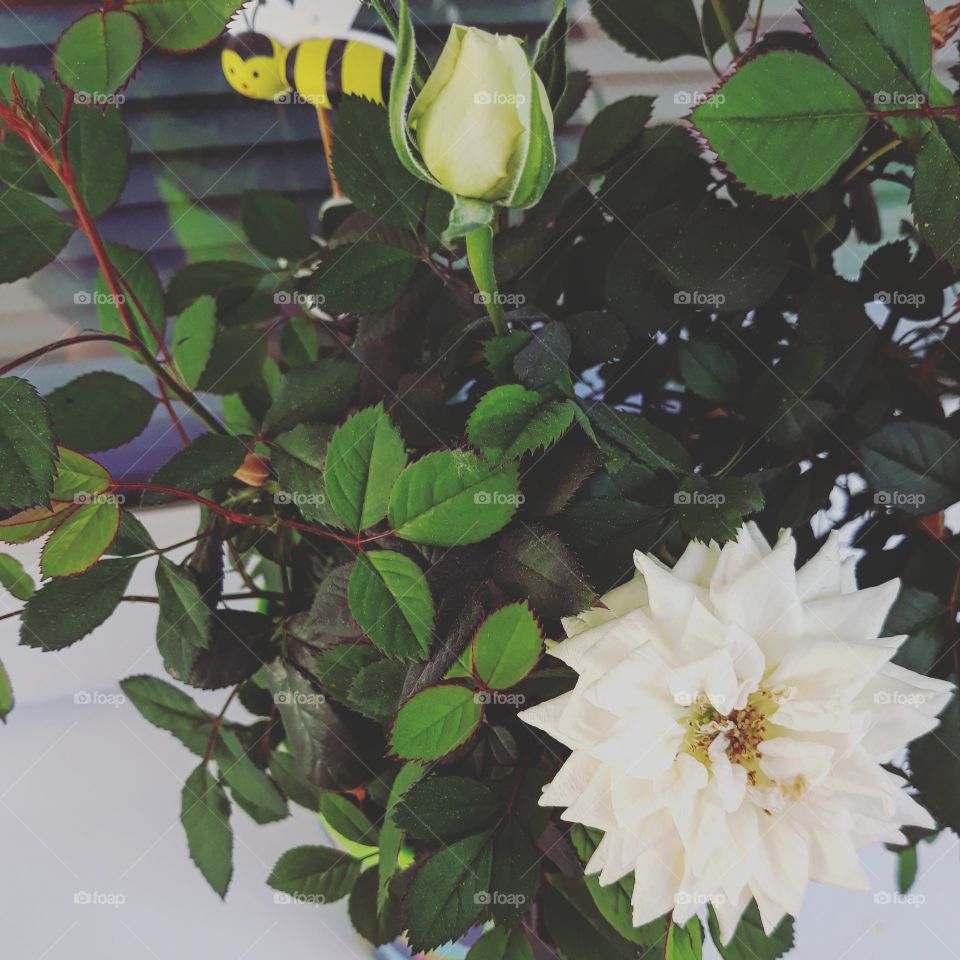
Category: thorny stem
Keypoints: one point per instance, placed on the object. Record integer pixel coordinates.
(217, 723)
(245, 519)
(174, 419)
(59, 344)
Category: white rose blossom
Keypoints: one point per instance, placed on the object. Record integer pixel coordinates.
(728, 728)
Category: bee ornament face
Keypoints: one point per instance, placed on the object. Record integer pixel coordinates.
(254, 65)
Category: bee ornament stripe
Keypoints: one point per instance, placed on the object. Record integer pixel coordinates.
(320, 71)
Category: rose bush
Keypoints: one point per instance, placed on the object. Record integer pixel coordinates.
(427, 432)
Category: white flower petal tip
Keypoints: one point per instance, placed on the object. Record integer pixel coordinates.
(728, 727)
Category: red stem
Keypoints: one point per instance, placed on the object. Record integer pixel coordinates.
(244, 519)
(174, 419)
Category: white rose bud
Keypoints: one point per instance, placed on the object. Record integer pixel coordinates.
(475, 118)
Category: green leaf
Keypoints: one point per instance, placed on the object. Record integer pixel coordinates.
(64, 611)
(97, 54)
(338, 666)
(883, 48)
(193, 339)
(230, 281)
(907, 867)
(34, 523)
(935, 767)
(685, 943)
(31, 234)
(613, 131)
(78, 477)
(649, 444)
(251, 787)
(82, 538)
(376, 926)
(391, 836)
(783, 123)
(210, 459)
(185, 621)
(167, 707)
(365, 457)
(550, 55)
(362, 277)
(544, 359)
(650, 28)
(435, 721)
(344, 816)
(502, 943)
(18, 582)
(100, 411)
(936, 195)
(614, 900)
(444, 807)
(914, 467)
(510, 421)
(27, 449)
(515, 878)
(507, 646)
(99, 151)
(181, 25)
(299, 456)
(319, 391)
(538, 565)
(749, 942)
(922, 617)
(376, 690)
(317, 874)
(205, 815)
(368, 168)
(138, 274)
(446, 894)
(715, 508)
(6, 694)
(449, 498)
(576, 926)
(275, 225)
(709, 370)
(323, 744)
(391, 601)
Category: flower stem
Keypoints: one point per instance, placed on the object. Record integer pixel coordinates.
(725, 28)
(480, 258)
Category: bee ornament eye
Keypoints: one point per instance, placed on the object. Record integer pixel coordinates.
(256, 74)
